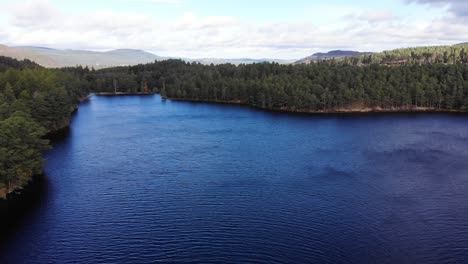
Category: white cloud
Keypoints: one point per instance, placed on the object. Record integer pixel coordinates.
(456, 7)
(372, 16)
(39, 22)
(29, 13)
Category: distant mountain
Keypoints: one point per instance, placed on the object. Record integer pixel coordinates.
(21, 54)
(69, 58)
(54, 58)
(330, 55)
(51, 58)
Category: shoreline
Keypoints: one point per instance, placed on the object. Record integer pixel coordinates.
(23, 201)
(123, 94)
(340, 111)
(17, 193)
(50, 135)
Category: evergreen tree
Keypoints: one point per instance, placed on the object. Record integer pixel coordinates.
(21, 146)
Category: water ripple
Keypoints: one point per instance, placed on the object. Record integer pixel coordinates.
(138, 181)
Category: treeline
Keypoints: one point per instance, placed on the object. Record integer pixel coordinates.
(33, 102)
(326, 86)
(457, 54)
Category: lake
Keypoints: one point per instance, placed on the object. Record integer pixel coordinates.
(138, 180)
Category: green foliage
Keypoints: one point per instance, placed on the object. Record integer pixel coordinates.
(33, 102)
(8, 63)
(21, 145)
(52, 108)
(457, 54)
(324, 86)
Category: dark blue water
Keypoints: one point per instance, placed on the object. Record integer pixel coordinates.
(142, 181)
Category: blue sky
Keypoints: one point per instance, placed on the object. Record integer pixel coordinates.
(259, 10)
(229, 29)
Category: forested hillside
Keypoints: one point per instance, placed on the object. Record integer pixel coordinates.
(456, 54)
(8, 63)
(334, 54)
(317, 87)
(33, 102)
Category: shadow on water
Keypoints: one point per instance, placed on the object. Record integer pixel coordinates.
(59, 136)
(19, 207)
(325, 115)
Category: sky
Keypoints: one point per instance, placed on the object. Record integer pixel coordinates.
(278, 29)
